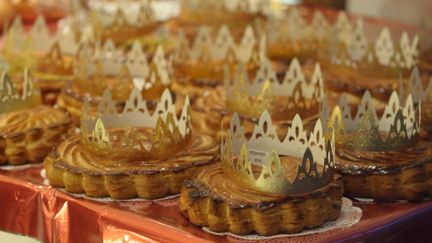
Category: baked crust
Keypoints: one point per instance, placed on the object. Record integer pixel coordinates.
(393, 175)
(213, 200)
(27, 136)
(79, 171)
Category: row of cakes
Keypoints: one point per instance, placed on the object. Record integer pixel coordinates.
(133, 147)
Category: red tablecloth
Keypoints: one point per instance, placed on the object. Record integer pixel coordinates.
(30, 207)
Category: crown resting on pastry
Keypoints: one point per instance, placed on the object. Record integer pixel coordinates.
(131, 69)
(293, 28)
(12, 100)
(240, 156)
(169, 131)
(357, 51)
(252, 97)
(398, 126)
(38, 49)
(223, 47)
(243, 6)
(110, 17)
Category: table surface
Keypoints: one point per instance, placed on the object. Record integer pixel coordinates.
(31, 207)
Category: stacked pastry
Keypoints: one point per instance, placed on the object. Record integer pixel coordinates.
(266, 185)
(28, 129)
(136, 152)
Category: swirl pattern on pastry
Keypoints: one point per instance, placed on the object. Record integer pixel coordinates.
(78, 170)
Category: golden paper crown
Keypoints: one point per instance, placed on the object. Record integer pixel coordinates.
(168, 133)
(227, 6)
(252, 97)
(292, 34)
(11, 99)
(120, 20)
(397, 127)
(263, 149)
(354, 50)
(222, 48)
(107, 66)
(49, 56)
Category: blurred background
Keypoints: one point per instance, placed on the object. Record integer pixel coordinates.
(414, 12)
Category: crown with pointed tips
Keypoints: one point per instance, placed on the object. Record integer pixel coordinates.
(354, 50)
(294, 35)
(49, 56)
(241, 157)
(165, 132)
(398, 126)
(12, 100)
(108, 67)
(200, 9)
(118, 20)
(222, 48)
(265, 91)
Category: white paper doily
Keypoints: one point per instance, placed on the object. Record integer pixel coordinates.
(348, 217)
(20, 167)
(107, 199)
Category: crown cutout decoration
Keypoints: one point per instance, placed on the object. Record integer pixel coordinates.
(120, 19)
(222, 48)
(397, 127)
(135, 131)
(37, 49)
(356, 51)
(12, 99)
(243, 6)
(107, 66)
(241, 157)
(252, 97)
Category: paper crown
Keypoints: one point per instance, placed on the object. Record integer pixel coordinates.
(169, 132)
(398, 126)
(252, 97)
(355, 50)
(240, 156)
(294, 32)
(221, 48)
(37, 49)
(244, 6)
(127, 70)
(121, 19)
(344, 42)
(12, 100)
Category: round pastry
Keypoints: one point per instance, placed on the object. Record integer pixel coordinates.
(78, 170)
(283, 94)
(224, 205)
(142, 147)
(27, 136)
(217, 12)
(203, 63)
(94, 77)
(382, 157)
(265, 185)
(390, 175)
(122, 22)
